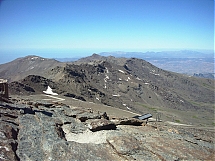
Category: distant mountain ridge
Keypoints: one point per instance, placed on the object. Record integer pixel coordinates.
(22, 67)
(163, 54)
(183, 61)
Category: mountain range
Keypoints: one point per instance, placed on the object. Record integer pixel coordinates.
(131, 84)
(162, 54)
(183, 61)
(97, 112)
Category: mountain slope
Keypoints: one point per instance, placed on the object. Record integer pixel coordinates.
(184, 61)
(22, 67)
(130, 84)
(95, 58)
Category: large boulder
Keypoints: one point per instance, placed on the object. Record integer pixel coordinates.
(128, 121)
(101, 124)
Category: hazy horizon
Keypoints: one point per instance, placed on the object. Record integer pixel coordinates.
(74, 54)
(80, 28)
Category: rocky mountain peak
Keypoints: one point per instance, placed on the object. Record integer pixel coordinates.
(22, 67)
(96, 56)
(30, 58)
(33, 57)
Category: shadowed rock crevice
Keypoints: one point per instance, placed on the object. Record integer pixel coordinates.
(14, 146)
(9, 129)
(60, 132)
(14, 133)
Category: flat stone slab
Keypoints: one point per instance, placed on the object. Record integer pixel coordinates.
(124, 144)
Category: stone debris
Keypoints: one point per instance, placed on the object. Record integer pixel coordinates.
(53, 131)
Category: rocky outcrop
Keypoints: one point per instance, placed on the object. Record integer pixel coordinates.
(55, 131)
(8, 133)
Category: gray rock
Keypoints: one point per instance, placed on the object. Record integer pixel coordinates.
(78, 128)
(85, 116)
(101, 124)
(45, 104)
(81, 114)
(8, 133)
(40, 135)
(128, 121)
(73, 112)
(105, 116)
(73, 151)
(125, 145)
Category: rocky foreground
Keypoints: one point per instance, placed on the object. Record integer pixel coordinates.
(37, 131)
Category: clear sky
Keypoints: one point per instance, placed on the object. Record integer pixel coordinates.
(71, 28)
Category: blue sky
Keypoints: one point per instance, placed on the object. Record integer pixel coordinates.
(71, 28)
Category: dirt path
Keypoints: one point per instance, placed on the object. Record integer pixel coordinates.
(111, 111)
(174, 123)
